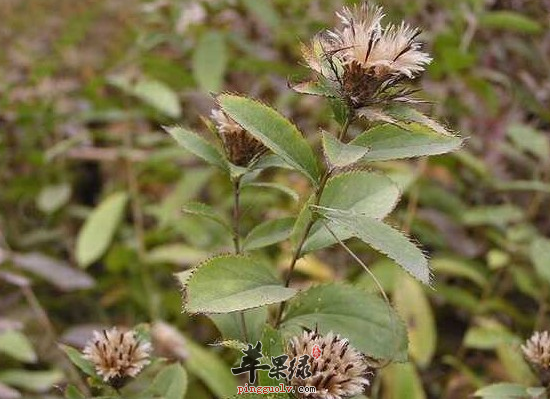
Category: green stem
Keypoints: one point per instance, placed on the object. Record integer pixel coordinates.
(237, 241)
(298, 251)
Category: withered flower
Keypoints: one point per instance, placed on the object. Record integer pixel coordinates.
(117, 355)
(363, 60)
(537, 352)
(338, 371)
(241, 148)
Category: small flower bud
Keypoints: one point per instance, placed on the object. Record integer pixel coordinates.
(117, 355)
(241, 148)
(337, 369)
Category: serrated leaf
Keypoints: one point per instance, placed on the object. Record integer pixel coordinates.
(16, 345)
(99, 229)
(229, 283)
(503, 390)
(340, 154)
(78, 360)
(274, 131)
(211, 369)
(369, 323)
(210, 61)
(413, 307)
(394, 142)
(313, 88)
(197, 145)
(386, 240)
(206, 211)
(540, 257)
(361, 192)
(268, 233)
(152, 92)
(509, 20)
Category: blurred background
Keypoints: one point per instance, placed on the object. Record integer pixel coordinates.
(85, 87)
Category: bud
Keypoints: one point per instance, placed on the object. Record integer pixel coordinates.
(117, 355)
(537, 352)
(363, 60)
(338, 371)
(241, 148)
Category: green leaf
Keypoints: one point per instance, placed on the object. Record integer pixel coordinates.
(34, 381)
(177, 254)
(52, 198)
(16, 345)
(413, 307)
(274, 131)
(229, 283)
(503, 390)
(210, 61)
(78, 360)
(461, 268)
(497, 215)
(198, 146)
(384, 239)
(263, 10)
(72, 392)
(489, 334)
(394, 142)
(369, 323)
(530, 140)
(229, 324)
(361, 192)
(275, 186)
(313, 88)
(212, 370)
(268, 233)
(540, 256)
(272, 346)
(403, 381)
(99, 229)
(152, 92)
(340, 154)
(510, 21)
(169, 383)
(206, 211)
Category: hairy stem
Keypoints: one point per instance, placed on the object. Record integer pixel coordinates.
(307, 229)
(237, 241)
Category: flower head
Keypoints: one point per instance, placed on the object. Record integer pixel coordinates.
(365, 59)
(537, 350)
(117, 355)
(240, 146)
(338, 371)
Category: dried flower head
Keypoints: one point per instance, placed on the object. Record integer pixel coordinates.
(537, 350)
(338, 371)
(117, 355)
(241, 148)
(365, 60)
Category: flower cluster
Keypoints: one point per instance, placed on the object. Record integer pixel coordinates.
(363, 61)
(339, 370)
(117, 355)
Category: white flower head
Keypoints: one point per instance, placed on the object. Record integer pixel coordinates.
(537, 350)
(363, 58)
(117, 355)
(338, 371)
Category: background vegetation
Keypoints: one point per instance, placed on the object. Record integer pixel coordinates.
(91, 188)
